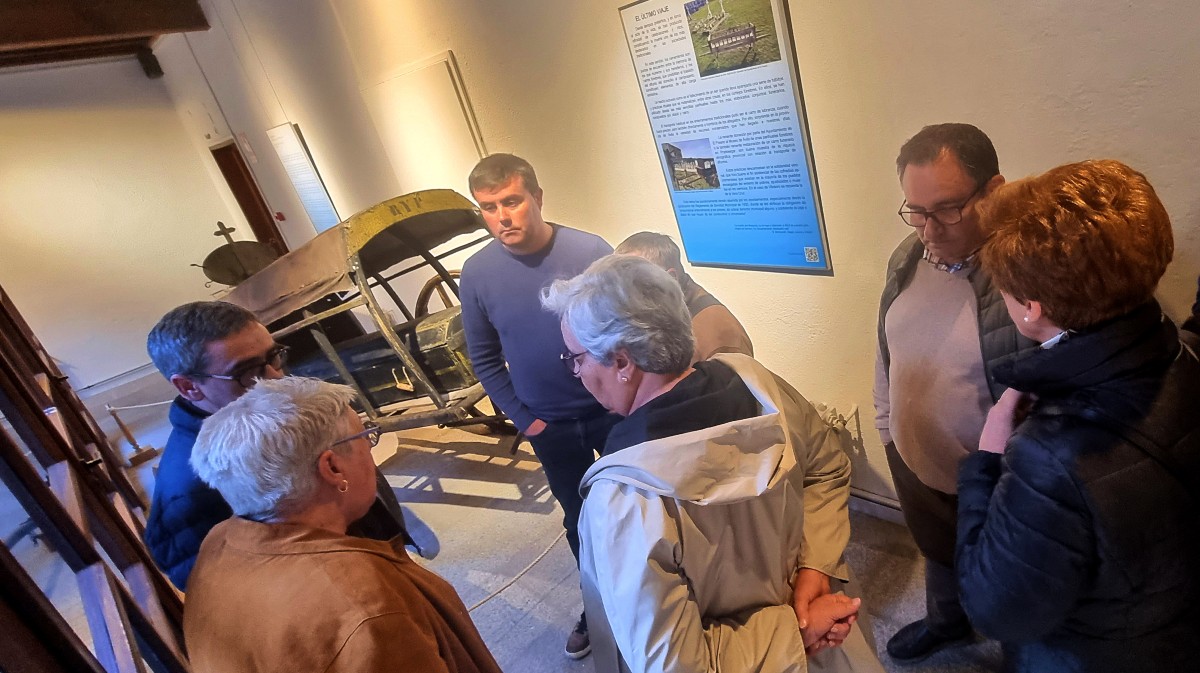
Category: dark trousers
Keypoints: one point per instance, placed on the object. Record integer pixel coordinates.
(566, 450)
(932, 517)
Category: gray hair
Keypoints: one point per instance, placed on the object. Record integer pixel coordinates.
(656, 247)
(260, 451)
(177, 343)
(495, 170)
(622, 301)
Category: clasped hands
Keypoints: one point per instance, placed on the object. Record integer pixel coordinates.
(825, 618)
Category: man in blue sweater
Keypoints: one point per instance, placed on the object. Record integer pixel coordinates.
(516, 347)
(212, 352)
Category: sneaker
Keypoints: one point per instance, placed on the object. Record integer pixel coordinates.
(578, 643)
(916, 642)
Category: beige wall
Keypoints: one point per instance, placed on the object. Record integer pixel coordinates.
(1050, 82)
(108, 192)
(104, 205)
(281, 61)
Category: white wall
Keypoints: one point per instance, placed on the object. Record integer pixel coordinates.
(104, 204)
(1050, 82)
(108, 190)
(279, 61)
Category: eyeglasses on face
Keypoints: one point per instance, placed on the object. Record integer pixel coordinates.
(571, 360)
(275, 358)
(946, 216)
(371, 432)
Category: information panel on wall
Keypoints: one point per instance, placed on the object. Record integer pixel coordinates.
(722, 91)
(301, 170)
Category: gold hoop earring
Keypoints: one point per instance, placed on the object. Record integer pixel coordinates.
(344, 486)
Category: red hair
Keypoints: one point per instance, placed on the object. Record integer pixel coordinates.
(1089, 241)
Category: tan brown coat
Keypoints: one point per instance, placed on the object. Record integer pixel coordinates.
(282, 597)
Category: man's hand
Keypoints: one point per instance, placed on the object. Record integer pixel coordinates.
(1011, 409)
(810, 585)
(535, 428)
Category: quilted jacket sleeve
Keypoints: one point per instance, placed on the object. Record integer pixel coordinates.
(1025, 540)
(178, 525)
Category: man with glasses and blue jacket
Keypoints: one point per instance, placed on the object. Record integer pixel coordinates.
(942, 327)
(213, 352)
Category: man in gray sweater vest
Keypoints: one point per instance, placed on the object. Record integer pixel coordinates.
(942, 327)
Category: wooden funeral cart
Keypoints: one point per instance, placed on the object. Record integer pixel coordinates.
(410, 373)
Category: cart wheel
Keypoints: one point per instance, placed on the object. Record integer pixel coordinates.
(438, 284)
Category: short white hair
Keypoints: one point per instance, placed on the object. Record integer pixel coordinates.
(623, 301)
(260, 451)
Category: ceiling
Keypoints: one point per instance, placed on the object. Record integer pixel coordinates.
(51, 31)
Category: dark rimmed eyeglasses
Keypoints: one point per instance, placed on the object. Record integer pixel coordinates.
(371, 432)
(571, 360)
(275, 358)
(946, 216)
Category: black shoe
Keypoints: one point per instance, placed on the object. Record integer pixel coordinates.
(578, 643)
(915, 642)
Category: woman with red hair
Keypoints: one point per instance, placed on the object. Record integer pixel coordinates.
(1078, 533)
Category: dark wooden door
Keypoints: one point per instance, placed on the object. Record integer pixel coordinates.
(245, 190)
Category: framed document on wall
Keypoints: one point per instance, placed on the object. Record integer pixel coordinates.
(722, 91)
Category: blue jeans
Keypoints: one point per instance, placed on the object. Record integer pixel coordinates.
(566, 450)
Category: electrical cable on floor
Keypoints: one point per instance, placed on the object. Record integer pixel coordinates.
(519, 575)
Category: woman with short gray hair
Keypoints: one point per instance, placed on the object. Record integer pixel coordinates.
(719, 502)
(622, 303)
(281, 584)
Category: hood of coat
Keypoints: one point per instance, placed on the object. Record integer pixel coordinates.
(725, 463)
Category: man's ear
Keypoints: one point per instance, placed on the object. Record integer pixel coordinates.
(537, 196)
(187, 387)
(992, 185)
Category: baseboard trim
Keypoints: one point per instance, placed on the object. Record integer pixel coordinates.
(136, 374)
(878, 506)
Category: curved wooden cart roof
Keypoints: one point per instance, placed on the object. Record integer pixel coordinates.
(385, 235)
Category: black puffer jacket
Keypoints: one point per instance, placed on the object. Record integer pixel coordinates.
(1080, 548)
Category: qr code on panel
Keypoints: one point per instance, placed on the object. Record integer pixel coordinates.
(810, 255)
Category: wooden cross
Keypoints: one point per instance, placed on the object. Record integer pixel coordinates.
(225, 231)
